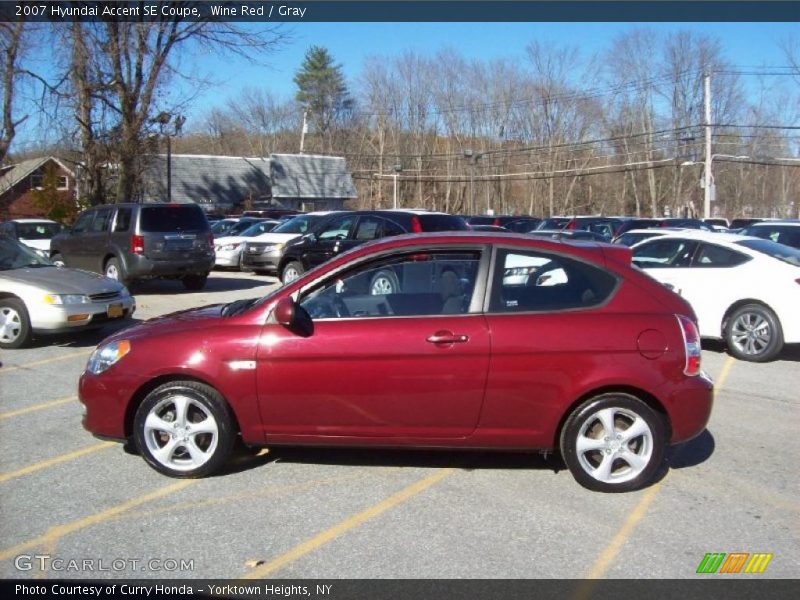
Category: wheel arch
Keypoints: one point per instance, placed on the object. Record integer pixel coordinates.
(646, 397)
(141, 393)
(736, 306)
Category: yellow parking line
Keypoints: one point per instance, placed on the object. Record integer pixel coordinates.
(57, 460)
(610, 552)
(35, 407)
(329, 534)
(723, 374)
(59, 531)
(4, 369)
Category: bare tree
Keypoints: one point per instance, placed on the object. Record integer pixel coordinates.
(11, 37)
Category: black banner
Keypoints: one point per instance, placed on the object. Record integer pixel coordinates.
(406, 11)
(701, 588)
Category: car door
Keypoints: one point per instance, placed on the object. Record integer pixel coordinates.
(667, 259)
(392, 368)
(95, 240)
(712, 283)
(329, 241)
(71, 247)
(547, 334)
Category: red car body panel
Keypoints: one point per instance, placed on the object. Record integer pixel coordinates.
(378, 381)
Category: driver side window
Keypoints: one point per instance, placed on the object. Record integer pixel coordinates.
(336, 229)
(418, 284)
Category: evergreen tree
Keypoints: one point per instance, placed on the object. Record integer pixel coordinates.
(322, 91)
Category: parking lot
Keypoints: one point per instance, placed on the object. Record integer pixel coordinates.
(319, 513)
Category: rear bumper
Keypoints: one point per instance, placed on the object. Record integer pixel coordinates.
(689, 405)
(137, 266)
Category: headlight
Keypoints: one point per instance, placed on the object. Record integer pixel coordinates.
(273, 247)
(66, 299)
(105, 356)
(229, 247)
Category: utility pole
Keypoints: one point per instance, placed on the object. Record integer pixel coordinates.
(708, 178)
(303, 131)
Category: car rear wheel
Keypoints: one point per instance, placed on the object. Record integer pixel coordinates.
(384, 282)
(195, 282)
(184, 429)
(113, 270)
(15, 326)
(58, 260)
(613, 443)
(753, 333)
(292, 271)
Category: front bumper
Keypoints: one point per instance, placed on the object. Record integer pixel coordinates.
(49, 318)
(105, 401)
(228, 258)
(263, 261)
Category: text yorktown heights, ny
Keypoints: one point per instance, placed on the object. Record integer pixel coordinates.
(251, 589)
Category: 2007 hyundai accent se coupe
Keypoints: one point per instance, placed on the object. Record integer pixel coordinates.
(492, 341)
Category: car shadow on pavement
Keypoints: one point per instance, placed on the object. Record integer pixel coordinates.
(791, 352)
(213, 284)
(691, 453)
(374, 457)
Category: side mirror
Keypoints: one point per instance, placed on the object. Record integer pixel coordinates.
(285, 311)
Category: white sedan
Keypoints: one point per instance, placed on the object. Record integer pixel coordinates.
(228, 249)
(744, 290)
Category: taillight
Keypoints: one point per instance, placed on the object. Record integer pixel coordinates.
(416, 226)
(691, 345)
(137, 244)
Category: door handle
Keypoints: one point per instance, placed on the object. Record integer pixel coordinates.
(447, 337)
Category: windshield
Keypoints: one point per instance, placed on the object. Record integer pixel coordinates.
(786, 254)
(258, 228)
(301, 224)
(14, 255)
(222, 226)
(37, 231)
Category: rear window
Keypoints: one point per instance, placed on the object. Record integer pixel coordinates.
(158, 219)
(442, 223)
(785, 253)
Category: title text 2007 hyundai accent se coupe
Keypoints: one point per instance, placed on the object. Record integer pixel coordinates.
(487, 341)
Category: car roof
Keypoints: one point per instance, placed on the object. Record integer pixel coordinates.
(32, 221)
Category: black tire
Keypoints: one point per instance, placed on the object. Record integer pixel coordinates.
(606, 462)
(384, 282)
(15, 324)
(203, 402)
(291, 267)
(195, 282)
(57, 259)
(753, 333)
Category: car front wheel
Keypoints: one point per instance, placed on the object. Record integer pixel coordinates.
(753, 333)
(15, 326)
(58, 260)
(613, 443)
(292, 271)
(184, 429)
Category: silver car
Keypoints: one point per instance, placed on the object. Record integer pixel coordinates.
(36, 297)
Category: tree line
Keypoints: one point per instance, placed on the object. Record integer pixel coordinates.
(557, 132)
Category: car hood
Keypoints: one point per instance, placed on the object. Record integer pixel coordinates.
(62, 281)
(273, 238)
(38, 244)
(172, 323)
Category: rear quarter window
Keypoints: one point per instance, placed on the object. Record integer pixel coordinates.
(526, 281)
(159, 219)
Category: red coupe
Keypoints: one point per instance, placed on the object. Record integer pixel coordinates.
(491, 341)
